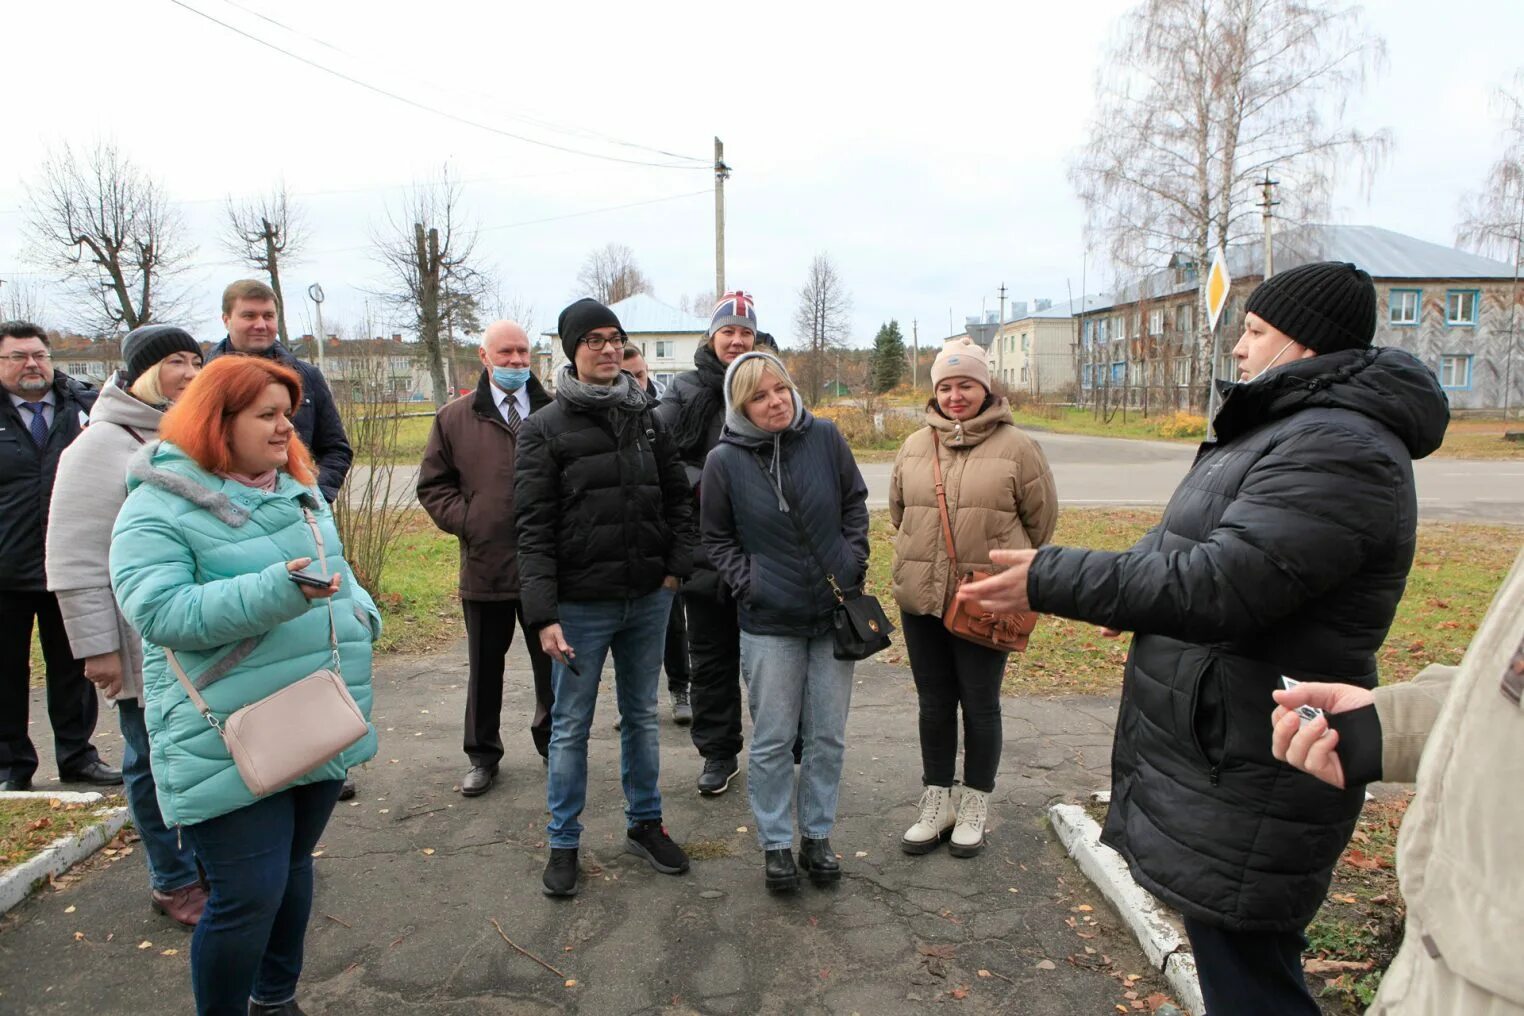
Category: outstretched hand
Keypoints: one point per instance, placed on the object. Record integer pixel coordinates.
(1005, 591)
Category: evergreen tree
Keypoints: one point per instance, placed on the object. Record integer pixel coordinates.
(888, 357)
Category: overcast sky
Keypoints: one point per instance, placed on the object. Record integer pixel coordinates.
(925, 152)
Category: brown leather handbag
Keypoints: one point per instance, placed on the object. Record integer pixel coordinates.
(1006, 632)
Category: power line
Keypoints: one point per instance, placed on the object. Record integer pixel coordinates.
(435, 109)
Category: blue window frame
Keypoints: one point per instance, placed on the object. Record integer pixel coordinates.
(1455, 371)
(1404, 307)
(1461, 307)
(1119, 374)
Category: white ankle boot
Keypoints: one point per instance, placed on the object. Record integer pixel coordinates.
(968, 835)
(938, 815)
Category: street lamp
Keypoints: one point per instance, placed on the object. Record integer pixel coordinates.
(315, 294)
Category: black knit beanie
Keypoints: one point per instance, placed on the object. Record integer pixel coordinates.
(147, 345)
(1326, 306)
(579, 319)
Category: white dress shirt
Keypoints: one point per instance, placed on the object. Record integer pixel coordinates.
(26, 414)
(520, 401)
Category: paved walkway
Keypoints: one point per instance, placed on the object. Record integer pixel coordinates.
(412, 875)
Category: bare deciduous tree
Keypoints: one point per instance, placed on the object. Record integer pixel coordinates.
(21, 300)
(264, 233)
(700, 304)
(1492, 219)
(1199, 99)
(108, 228)
(429, 250)
(823, 321)
(610, 274)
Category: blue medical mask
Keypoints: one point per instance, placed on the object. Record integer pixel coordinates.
(510, 379)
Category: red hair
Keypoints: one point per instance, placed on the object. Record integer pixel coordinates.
(200, 423)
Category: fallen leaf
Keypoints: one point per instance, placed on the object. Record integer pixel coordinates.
(1046, 965)
(79, 936)
(170, 952)
(861, 853)
(428, 851)
(317, 853)
(145, 944)
(1084, 908)
(740, 829)
(959, 993)
(984, 973)
(571, 982)
(70, 909)
(386, 811)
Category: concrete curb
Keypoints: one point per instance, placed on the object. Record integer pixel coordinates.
(1143, 914)
(17, 883)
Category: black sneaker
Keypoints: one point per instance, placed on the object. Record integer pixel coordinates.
(717, 774)
(682, 709)
(818, 861)
(649, 839)
(560, 877)
(779, 874)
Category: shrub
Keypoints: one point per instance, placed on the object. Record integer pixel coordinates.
(1182, 425)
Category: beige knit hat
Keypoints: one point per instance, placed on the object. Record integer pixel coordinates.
(963, 358)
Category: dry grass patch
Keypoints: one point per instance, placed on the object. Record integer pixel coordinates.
(29, 826)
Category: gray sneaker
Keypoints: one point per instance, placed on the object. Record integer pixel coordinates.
(682, 712)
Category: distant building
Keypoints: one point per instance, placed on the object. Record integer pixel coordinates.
(667, 338)
(1033, 352)
(88, 360)
(1448, 307)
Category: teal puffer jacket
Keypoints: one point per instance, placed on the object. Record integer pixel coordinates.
(198, 564)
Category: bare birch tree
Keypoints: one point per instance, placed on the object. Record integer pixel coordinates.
(106, 226)
(610, 274)
(265, 233)
(822, 321)
(21, 300)
(428, 249)
(1199, 99)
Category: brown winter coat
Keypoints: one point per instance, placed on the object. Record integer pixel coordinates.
(1458, 855)
(1000, 496)
(466, 485)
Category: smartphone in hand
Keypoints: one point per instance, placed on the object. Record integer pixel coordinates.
(1306, 713)
(310, 579)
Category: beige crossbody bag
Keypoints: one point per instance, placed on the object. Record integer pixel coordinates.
(288, 734)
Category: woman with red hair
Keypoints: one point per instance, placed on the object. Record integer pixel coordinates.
(220, 512)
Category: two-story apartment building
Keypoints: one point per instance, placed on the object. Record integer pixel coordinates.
(1455, 311)
(667, 337)
(1033, 352)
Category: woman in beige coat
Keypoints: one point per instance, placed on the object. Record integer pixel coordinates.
(1000, 495)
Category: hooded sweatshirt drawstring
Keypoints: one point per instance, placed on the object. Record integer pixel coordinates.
(737, 423)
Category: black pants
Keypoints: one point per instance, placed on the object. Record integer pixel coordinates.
(714, 647)
(951, 672)
(489, 633)
(675, 655)
(72, 704)
(1245, 973)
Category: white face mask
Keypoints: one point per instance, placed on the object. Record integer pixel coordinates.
(1267, 366)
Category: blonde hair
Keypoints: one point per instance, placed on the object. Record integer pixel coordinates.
(146, 387)
(748, 378)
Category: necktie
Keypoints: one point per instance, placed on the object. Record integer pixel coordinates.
(39, 426)
(511, 417)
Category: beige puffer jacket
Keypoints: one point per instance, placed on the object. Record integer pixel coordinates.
(1458, 855)
(1000, 496)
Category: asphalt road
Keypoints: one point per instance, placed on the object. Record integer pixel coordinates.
(1098, 471)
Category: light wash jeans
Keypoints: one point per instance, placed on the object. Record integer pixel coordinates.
(636, 631)
(795, 688)
(170, 865)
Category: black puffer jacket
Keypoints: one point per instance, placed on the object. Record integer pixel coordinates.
(316, 420)
(680, 399)
(757, 547)
(1284, 551)
(26, 480)
(598, 518)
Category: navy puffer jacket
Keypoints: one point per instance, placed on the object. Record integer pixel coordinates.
(1284, 551)
(755, 541)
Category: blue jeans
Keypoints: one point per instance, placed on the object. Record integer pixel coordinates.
(258, 861)
(796, 688)
(170, 866)
(636, 631)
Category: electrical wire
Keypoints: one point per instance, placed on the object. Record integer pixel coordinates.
(396, 97)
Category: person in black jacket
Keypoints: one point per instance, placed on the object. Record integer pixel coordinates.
(784, 517)
(250, 316)
(606, 531)
(41, 412)
(693, 409)
(1284, 552)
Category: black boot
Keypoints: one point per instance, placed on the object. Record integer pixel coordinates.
(780, 873)
(819, 861)
(284, 1009)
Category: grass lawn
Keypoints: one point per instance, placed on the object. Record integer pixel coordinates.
(27, 827)
(420, 610)
(1481, 439)
(1457, 569)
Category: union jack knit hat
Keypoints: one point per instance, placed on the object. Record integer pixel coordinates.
(735, 308)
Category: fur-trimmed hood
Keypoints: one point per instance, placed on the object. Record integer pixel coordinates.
(162, 465)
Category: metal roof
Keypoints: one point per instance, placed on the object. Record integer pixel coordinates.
(1068, 308)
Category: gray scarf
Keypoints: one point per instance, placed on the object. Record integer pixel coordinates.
(623, 400)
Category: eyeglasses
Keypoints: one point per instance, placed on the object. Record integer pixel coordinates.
(597, 343)
(20, 358)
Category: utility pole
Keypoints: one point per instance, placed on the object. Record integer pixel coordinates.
(1267, 202)
(915, 354)
(1000, 338)
(721, 174)
(315, 292)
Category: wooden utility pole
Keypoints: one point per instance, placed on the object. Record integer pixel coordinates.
(1266, 203)
(721, 174)
(915, 354)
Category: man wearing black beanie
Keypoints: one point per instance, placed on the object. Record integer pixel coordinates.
(606, 530)
(1283, 554)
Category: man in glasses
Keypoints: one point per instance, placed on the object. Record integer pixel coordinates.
(41, 413)
(606, 530)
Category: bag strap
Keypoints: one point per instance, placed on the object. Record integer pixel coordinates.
(804, 537)
(333, 635)
(936, 465)
(135, 435)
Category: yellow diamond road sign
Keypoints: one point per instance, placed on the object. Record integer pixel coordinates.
(1217, 285)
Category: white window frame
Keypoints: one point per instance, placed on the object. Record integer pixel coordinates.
(1392, 307)
(1448, 362)
(1454, 321)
